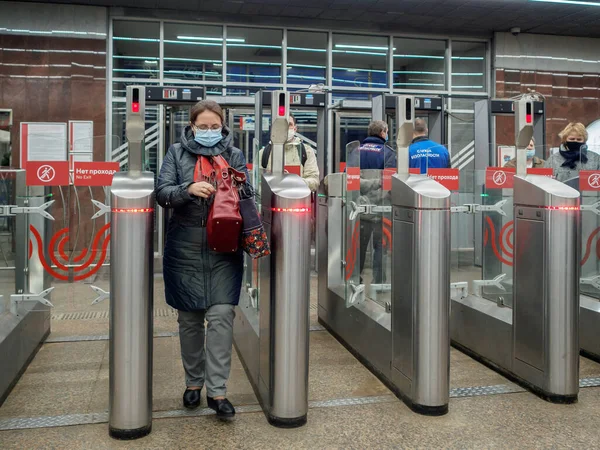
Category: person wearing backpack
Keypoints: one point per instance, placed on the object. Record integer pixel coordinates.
(296, 153)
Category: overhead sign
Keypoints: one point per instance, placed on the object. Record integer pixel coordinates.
(94, 173)
(589, 180)
(47, 173)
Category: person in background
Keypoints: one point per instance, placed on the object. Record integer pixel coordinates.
(372, 157)
(573, 154)
(532, 160)
(201, 284)
(425, 153)
(296, 153)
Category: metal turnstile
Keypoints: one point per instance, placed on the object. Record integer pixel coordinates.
(271, 336)
(536, 341)
(131, 285)
(405, 342)
(487, 112)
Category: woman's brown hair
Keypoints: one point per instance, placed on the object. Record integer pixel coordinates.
(206, 105)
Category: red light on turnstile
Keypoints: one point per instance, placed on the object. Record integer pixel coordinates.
(135, 100)
(291, 210)
(528, 113)
(562, 208)
(133, 210)
(281, 109)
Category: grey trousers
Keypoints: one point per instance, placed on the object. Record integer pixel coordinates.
(210, 365)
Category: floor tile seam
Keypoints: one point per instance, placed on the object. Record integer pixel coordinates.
(21, 423)
(102, 417)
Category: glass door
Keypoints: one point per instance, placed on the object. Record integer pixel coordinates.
(349, 127)
(174, 119)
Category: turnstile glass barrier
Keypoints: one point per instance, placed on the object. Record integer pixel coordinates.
(8, 238)
(368, 239)
(589, 185)
(590, 242)
(498, 240)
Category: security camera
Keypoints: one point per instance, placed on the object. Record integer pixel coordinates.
(515, 31)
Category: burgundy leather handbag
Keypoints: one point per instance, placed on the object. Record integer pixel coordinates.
(224, 224)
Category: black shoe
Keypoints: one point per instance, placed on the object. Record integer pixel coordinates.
(223, 407)
(191, 398)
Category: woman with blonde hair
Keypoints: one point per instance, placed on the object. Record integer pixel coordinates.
(573, 154)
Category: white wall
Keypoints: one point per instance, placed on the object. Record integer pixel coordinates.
(42, 19)
(546, 53)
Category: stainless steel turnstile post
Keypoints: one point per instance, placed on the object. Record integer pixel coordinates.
(421, 283)
(546, 287)
(284, 284)
(131, 285)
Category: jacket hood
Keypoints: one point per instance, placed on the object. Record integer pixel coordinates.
(188, 143)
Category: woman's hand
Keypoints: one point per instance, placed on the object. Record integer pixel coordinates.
(201, 189)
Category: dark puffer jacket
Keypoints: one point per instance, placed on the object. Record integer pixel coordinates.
(195, 277)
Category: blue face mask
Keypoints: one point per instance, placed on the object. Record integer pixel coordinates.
(530, 154)
(208, 138)
(386, 138)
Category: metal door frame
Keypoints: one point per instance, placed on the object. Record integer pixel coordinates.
(338, 114)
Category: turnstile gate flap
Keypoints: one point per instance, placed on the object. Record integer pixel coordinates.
(419, 191)
(539, 190)
(285, 186)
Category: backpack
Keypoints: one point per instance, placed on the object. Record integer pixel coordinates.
(264, 161)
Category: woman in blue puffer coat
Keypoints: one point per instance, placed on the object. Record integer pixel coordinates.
(199, 283)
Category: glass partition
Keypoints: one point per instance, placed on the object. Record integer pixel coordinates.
(419, 64)
(360, 61)
(306, 58)
(193, 52)
(136, 49)
(469, 66)
(254, 55)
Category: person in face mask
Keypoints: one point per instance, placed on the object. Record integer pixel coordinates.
(532, 160)
(573, 154)
(202, 285)
(296, 153)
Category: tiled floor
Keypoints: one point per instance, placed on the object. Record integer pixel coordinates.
(72, 378)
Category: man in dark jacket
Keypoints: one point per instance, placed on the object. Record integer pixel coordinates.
(425, 153)
(372, 157)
